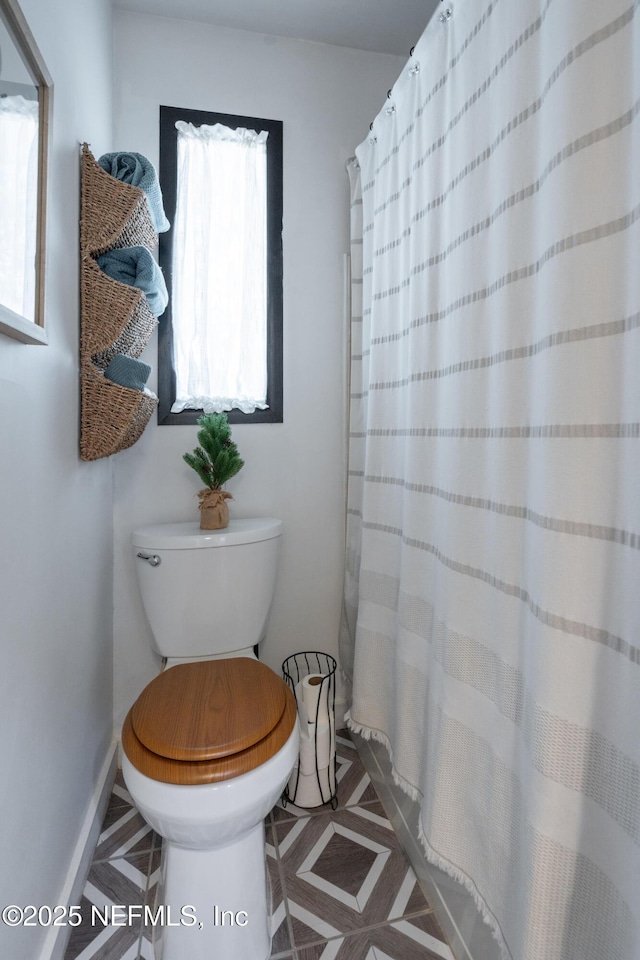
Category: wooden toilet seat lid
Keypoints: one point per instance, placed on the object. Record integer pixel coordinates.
(209, 710)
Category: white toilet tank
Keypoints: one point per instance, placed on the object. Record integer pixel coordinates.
(207, 592)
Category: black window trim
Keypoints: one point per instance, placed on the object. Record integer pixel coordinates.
(168, 178)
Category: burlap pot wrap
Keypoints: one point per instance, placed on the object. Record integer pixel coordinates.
(214, 512)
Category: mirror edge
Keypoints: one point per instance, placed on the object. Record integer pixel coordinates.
(11, 323)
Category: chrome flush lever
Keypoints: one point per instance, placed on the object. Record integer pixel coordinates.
(153, 559)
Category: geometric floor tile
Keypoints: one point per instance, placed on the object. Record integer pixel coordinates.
(280, 938)
(362, 863)
(125, 860)
(341, 887)
(124, 832)
(344, 871)
(393, 941)
(352, 782)
(110, 883)
(354, 785)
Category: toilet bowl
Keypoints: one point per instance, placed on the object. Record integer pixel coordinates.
(207, 748)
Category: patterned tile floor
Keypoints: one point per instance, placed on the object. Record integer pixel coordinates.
(342, 887)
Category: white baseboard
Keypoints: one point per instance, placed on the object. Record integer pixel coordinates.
(57, 938)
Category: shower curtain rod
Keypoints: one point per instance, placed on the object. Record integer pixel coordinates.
(444, 18)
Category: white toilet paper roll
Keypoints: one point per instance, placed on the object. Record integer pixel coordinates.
(305, 791)
(320, 741)
(315, 696)
(302, 710)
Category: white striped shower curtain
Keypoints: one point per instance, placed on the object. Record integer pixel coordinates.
(492, 595)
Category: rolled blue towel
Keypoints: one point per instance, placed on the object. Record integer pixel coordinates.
(136, 266)
(128, 372)
(135, 169)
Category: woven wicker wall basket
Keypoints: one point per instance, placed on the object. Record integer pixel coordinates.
(114, 317)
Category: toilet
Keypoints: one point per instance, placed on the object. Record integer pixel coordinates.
(210, 743)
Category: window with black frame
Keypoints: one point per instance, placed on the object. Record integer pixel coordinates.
(220, 339)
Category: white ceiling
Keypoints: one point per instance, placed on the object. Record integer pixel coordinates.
(384, 26)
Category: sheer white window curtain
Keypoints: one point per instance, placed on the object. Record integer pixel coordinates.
(220, 269)
(18, 182)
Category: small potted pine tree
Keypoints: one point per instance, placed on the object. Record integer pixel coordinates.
(215, 461)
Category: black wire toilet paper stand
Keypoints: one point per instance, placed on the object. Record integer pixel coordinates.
(294, 671)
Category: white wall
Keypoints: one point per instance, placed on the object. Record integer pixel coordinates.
(326, 97)
(55, 518)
